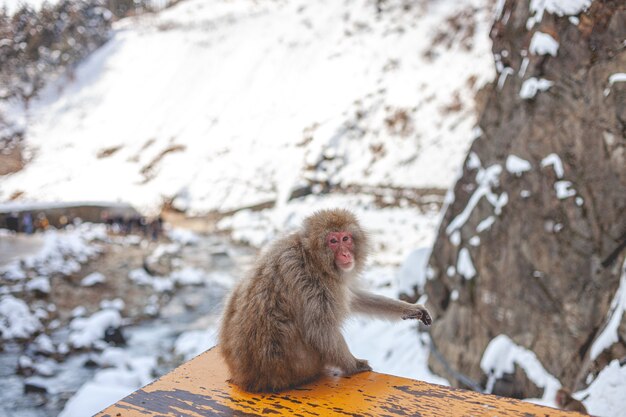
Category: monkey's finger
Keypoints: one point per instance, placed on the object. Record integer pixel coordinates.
(413, 315)
(426, 319)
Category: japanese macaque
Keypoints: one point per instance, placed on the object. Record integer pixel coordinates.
(566, 402)
(281, 326)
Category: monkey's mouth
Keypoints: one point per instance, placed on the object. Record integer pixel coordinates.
(347, 266)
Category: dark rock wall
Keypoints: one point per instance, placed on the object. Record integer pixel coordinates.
(539, 274)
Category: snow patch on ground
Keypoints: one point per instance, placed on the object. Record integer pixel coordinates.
(238, 96)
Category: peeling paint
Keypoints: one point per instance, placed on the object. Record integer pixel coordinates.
(199, 388)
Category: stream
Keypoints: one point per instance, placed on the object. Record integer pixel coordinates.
(188, 308)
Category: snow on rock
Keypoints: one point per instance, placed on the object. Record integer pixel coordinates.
(464, 265)
(85, 332)
(182, 236)
(543, 44)
(43, 344)
(557, 7)
(160, 284)
(563, 189)
(16, 319)
(39, 284)
(516, 165)
(13, 271)
(487, 179)
(189, 276)
(618, 77)
(111, 385)
(605, 396)
(532, 86)
(609, 335)
(115, 304)
(63, 251)
(93, 279)
(501, 356)
(192, 343)
(555, 161)
(164, 249)
(412, 273)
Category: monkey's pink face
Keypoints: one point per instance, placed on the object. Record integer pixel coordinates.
(342, 245)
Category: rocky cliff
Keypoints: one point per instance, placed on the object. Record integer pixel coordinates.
(531, 242)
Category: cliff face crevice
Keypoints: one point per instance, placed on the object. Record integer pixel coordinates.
(541, 201)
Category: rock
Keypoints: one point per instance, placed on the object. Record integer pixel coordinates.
(35, 385)
(536, 273)
(115, 336)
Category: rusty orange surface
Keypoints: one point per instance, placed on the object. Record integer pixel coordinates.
(199, 388)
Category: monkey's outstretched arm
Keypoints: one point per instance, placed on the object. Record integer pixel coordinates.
(368, 303)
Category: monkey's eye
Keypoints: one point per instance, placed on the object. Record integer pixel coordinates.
(346, 238)
(333, 240)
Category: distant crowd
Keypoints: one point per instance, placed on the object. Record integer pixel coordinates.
(28, 223)
(139, 225)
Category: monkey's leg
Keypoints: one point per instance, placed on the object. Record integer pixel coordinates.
(368, 303)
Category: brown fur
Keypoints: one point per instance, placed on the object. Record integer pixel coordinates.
(282, 325)
(565, 401)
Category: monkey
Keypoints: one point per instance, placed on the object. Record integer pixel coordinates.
(566, 402)
(281, 326)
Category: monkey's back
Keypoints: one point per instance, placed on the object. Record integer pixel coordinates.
(260, 335)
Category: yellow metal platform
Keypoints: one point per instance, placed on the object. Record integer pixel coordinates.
(199, 388)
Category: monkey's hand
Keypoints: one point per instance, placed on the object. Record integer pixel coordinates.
(360, 365)
(419, 313)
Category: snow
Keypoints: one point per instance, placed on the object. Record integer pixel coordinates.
(393, 348)
(609, 335)
(115, 304)
(543, 44)
(412, 272)
(40, 284)
(85, 332)
(605, 396)
(516, 165)
(563, 189)
(189, 276)
(557, 7)
(16, 319)
(464, 265)
(501, 356)
(532, 86)
(182, 236)
(485, 224)
(192, 343)
(618, 77)
(110, 385)
(487, 179)
(555, 161)
(93, 279)
(220, 90)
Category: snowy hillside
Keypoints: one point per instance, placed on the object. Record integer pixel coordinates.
(234, 103)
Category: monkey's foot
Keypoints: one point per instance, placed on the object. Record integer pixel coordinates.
(422, 315)
(361, 366)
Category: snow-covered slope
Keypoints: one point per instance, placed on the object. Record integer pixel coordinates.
(228, 104)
